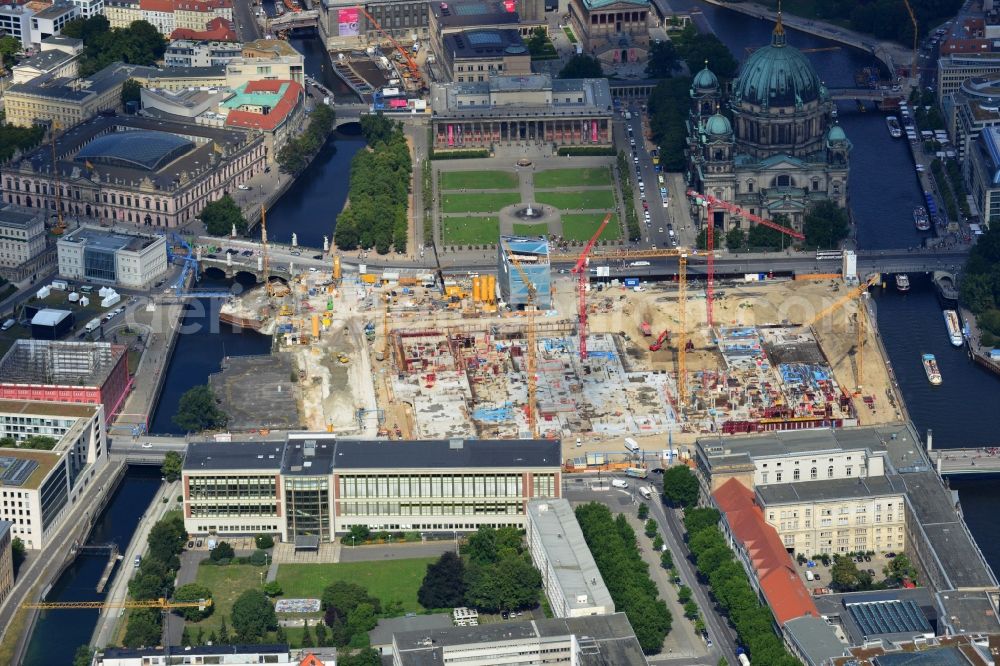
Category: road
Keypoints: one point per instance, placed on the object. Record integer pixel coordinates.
(718, 629)
(246, 22)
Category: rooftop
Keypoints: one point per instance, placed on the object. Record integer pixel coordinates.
(383, 632)
(220, 456)
(141, 149)
(602, 640)
(275, 47)
(50, 317)
(468, 13)
(127, 653)
(46, 60)
(277, 100)
(54, 11)
(59, 363)
(967, 612)
(39, 408)
(73, 90)
(218, 29)
(734, 450)
(20, 218)
(568, 555)
(501, 95)
(815, 638)
(484, 43)
(111, 241)
(25, 468)
(600, 4)
(831, 489)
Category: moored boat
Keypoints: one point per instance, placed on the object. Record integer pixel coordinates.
(954, 325)
(931, 369)
(895, 131)
(921, 219)
(902, 282)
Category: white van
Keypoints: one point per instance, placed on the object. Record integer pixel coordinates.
(645, 492)
(618, 483)
(639, 263)
(7, 325)
(810, 575)
(632, 445)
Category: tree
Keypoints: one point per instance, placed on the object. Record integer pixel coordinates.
(825, 224)
(651, 528)
(669, 106)
(272, 588)
(38, 442)
(844, 574)
(511, 584)
(18, 553)
(222, 551)
(691, 610)
(185, 637)
(657, 542)
(662, 60)
(702, 238)
(680, 486)
(172, 465)
(766, 238)
(224, 636)
(253, 616)
(444, 583)
(307, 639)
(14, 139)
(264, 541)
(339, 600)
(322, 635)
(666, 560)
(488, 545)
(143, 628)
(362, 618)
(193, 592)
(131, 91)
(684, 594)
(9, 47)
(643, 511)
(695, 520)
(736, 239)
(538, 42)
(258, 558)
(366, 657)
(167, 538)
(582, 66)
(197, 410)
(84, 656)
(697, 49)
(221, 215)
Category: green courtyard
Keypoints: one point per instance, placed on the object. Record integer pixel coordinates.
(582, 200)
(391, 581)
(470, 230)
(457, 202)
(227, 584)
(478, 180)
(581, 226)
(553, 178)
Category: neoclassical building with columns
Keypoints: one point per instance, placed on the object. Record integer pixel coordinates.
(772, 144)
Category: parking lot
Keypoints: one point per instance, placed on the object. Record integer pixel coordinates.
(821, 578)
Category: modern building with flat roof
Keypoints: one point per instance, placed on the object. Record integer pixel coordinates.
(532, 255)
(573, 584)
(50, 21)
(6, 559)
(36, 485)
(314, 486)
(984, 173)
(135, 170)
(513, 110)
(599, 640)
(191, 53)
(93, 373)
(108, 257)
(480, 53)
(230, 655)
(58, 57)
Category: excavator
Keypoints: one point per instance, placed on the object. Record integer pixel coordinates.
(663, 337)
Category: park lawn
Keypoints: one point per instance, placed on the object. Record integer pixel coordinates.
(470, 230)
(492, 202)
(478, 180)
(552, 178)
(387, 580)
(582, 200)
(582, 226)
(227, 584)
(569, 34)
(531, 230)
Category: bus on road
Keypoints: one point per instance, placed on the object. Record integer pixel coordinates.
(637, 472)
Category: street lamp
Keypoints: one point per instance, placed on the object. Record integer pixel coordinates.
(353, 545)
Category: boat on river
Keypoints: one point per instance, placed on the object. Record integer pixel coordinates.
(931, 369)
(954, 325)
(902, 282)
(921, 219)
(895, 131)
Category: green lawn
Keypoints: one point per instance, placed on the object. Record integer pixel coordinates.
(569, 34)
(470, 230)
(478, 180)
(551, 178)
(478, 203)
(582, 227)
(583, 200)
(388, 580)
(531, 230)
(227, 584)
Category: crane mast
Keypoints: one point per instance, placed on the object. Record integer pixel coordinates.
(411, 64)
(584, 279)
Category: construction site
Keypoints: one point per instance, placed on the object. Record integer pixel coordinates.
(415, 357)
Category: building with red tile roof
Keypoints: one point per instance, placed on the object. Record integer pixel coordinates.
(268, 106)
(216, 30)
(757, 544)
(168, 15)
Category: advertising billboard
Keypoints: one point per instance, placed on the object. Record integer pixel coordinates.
(347, 22)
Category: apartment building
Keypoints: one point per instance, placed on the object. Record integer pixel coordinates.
(22, 235)
(168, 15)
(190, 53)
(313, 486)
(38, 485)
(6, 559)
(983, 168)
(50, 21)
(955, 68)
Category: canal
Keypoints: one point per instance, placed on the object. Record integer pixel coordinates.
(58, 633)
(883, 191)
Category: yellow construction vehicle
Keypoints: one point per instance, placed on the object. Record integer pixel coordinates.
(160, 603)
(343, 358)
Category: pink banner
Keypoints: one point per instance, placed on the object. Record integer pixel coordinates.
(593, 131)
(451, 135)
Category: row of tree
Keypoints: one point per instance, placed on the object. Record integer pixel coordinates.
(499, 575)
(296, 154)
(155, 579)
(14, 139)
(138, 44)
(714, 559)
(378, 195)
(616, 552)
(980, 285)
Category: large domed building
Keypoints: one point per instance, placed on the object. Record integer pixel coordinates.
(778, 148)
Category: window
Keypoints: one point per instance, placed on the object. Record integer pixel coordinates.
(812, 474)
(795, 475)
(777, 477)
(829, 472)
(848, 470)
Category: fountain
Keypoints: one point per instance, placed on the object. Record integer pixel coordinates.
(530, 213)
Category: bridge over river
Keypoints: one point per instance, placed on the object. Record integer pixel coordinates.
(984, 460)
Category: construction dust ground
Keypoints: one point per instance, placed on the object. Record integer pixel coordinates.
(428, 368)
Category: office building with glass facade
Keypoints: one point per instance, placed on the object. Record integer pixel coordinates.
(112, 258)
(313, 486)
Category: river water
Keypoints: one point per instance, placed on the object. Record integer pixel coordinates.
(58, 633)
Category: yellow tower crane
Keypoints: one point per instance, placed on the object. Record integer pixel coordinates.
(60, 227)
(160, 603)
(914, 74)
(853, 294)
(529, 311)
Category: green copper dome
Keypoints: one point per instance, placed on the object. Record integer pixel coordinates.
(836, 134)
(777, 75)
(718, 125)
(705, 80)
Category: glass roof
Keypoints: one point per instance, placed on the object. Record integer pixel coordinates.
(147, 150)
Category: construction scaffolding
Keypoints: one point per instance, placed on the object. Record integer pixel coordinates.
(61, 363)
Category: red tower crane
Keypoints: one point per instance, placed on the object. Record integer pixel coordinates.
(711, 202)
(584, 277)
(411, 64)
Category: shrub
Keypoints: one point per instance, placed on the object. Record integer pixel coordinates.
(258, 558)
(264, 541)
